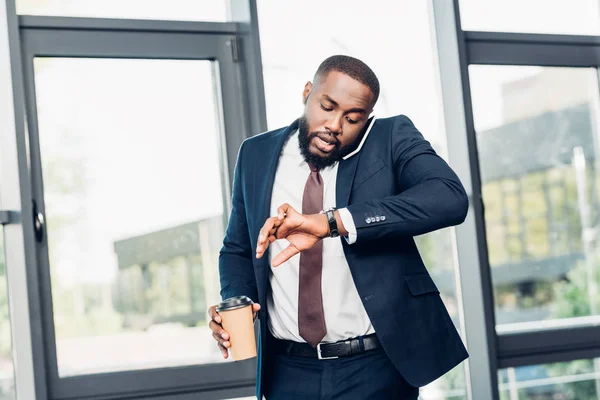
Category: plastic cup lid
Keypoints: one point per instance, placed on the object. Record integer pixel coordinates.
(233, 303)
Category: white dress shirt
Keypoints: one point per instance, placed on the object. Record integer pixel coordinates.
(345, 316)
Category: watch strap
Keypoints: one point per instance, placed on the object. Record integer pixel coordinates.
(333, 228)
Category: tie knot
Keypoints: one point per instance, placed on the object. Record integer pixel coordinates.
(312, 167)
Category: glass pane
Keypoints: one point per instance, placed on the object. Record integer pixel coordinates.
(7, 382)
(581, 17)
(575, 380)
(290, 58)
(537, 137)
(182, 10)
(134, 208)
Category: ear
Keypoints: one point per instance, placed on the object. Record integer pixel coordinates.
(306, 92)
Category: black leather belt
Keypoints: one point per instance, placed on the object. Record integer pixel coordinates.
(327, 351)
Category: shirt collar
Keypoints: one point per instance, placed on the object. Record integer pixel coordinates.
(292, 149)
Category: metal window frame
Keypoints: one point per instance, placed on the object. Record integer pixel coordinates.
(500, 48)
(475, 278)
(240, 84)
(571, 51)
(15, 195)
(457, 50)
(523, 49)
(557, 345)
(114, 44)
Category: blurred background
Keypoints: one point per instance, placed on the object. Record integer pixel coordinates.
(118, 156)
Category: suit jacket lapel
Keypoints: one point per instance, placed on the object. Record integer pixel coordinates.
(347, 170)
(345, 178)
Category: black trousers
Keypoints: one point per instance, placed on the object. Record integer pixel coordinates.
(367, 376)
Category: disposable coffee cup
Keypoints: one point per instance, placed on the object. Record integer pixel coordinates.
(236, 319)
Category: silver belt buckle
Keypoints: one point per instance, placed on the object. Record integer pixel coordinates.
(320, 356)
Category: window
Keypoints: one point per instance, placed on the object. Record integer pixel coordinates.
(580, 17)
(184, 10)
(409, 85)
(6, 362)
(133, 192)
(538, 146)
(574, 380)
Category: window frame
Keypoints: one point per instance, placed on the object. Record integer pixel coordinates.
(507, 49)
(523, 49)
(232, 48)
(457, 49)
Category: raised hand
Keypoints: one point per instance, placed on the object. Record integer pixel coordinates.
(301, 230)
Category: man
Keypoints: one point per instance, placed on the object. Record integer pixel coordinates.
(349, 310)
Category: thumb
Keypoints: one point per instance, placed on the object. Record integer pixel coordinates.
(283, 210)
(285, 255)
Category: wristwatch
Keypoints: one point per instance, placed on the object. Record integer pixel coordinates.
(333, 228)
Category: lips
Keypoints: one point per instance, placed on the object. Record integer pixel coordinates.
(327, 138)
(323, 145)
(324, 142)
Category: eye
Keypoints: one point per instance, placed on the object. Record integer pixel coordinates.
(325, 108)
(351, 120)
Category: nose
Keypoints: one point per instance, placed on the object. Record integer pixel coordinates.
(334, 125)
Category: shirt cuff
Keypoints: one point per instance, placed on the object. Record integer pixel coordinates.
(348, 222)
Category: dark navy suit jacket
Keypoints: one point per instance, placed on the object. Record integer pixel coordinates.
(396, 175)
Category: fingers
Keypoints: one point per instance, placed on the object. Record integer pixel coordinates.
(285, 255)
(218, 332)
(221, 337)
(223, 345)
(266, 235)
(291, 221)
(223, 350)
(255, 309)
(221, 341)
(262, 243)
(214, 315)
(283, 210)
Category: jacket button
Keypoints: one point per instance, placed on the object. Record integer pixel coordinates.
(377, 219)
(368, 220)
(383, 218)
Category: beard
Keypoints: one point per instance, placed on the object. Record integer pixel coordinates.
(304, 139)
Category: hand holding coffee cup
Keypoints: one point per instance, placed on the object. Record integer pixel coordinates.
(234, 316)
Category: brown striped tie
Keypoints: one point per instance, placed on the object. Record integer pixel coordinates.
(311, 319)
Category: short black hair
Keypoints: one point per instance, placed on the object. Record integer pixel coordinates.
(354, 68)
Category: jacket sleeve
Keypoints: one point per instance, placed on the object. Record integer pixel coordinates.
(431, 196)
(236, 269)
